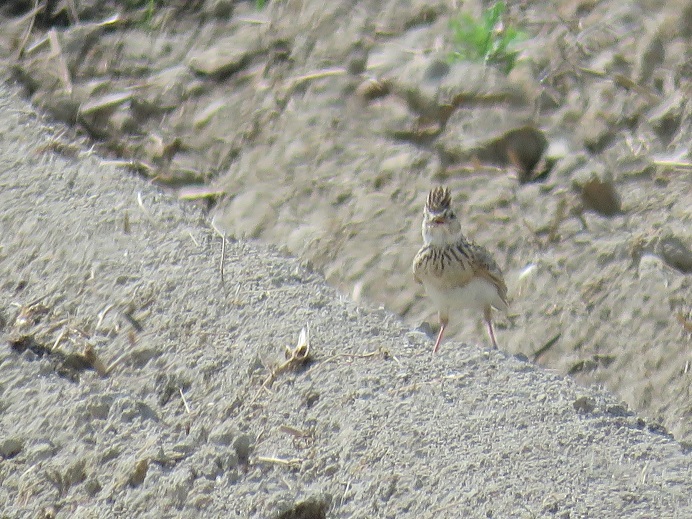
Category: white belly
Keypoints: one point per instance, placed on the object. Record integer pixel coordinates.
(475, 295)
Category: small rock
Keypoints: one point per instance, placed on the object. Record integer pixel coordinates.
(229, 54)
(242, 446)
(666, 117)
(310, 509)
(619, 410)
(596, 129)
(675, 253)
(489, 135)
(426, 328)
(139, 473)
(600, 196)
(105, 103)
(584, 404)
(371, 89)
(650, 56)
(219, 8)
(75, 473)
(222, 435)
(10, 447)
(92, 486)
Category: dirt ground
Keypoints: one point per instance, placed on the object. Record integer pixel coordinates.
(318, 128)
(134, 383)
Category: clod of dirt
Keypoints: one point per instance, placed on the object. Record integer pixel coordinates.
(675, 253)
(596, 130)
(600, 196)
(228, 54)
(10, 447)
(243, 446)
(651, 55)
(485, 134)
(140, 472)
(372, 89)
(665, 119)
(311, 509)
(584, 404)
(48, 512)
(523, 148)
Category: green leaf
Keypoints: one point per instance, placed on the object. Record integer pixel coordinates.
(485, 39)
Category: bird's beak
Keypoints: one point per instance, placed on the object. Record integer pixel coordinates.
(439, 220)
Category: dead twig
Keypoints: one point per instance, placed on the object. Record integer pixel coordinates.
(293, 431)
(192, 237)
(32, 19)
(138, 166)
(301, 439)
(59, 339)
(223, 250)
(147, 213)
(56, 52)
(280, 461)
(318, 74)
(551, 342)
(380, 351)
(102, 315)
(295, 357)
(182, 395)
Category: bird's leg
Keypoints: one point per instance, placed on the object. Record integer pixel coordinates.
(443, 324)
(489, 322)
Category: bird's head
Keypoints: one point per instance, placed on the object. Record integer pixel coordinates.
(440, 223)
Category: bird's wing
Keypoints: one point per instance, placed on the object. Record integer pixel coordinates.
(485, 266)
(418, 264)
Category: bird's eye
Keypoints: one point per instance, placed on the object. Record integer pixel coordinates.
(452, 216)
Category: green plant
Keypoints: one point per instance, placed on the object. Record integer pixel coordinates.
(487, 39)
(147, 5)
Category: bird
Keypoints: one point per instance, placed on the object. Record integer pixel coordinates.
(456, 273)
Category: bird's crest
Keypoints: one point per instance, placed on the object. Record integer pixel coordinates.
(439, 200)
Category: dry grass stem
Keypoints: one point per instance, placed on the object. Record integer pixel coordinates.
(27, 34)
(294, 462)
(319, 74)
(295, 357)
(56, 52)
(147, 213)
(293, 431)
(182, 396)
(102, 315)
(223, 251)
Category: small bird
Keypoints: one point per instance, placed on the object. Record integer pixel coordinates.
(455, 272)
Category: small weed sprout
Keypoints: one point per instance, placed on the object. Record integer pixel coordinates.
(488, 39)
(149, 6)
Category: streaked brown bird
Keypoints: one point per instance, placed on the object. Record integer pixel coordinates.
(456, 273)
